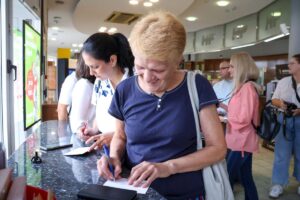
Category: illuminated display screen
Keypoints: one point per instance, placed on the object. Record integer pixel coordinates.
(32, 75)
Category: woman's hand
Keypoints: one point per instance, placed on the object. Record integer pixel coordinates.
(99, 140)
(296, 112)
(145, 173)
(103, 168)
(84, 132)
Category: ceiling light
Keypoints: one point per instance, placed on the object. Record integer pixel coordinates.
(134, 2)
(154, 1)
(112, 30)
(53, 39)
(242, 46)
(276, 14)
(222, 3)
(240, 26)
(55, 28)
(80, 45)
(74, 45)
(275, 37)
(191, 18)
(102, 29)
(147, 4)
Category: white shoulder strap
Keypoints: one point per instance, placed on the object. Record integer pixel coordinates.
(191, 84)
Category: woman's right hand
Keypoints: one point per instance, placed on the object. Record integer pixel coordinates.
(103, 168)
(283, 106)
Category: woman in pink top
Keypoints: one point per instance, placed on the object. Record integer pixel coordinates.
(241, 137)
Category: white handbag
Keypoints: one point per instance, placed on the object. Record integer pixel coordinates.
(215, 177)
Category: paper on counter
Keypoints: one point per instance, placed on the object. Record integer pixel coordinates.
(78, 151)
(123, 184)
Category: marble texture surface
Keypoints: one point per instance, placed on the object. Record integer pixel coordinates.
(64, 175)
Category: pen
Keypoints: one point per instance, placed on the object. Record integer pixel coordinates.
(106, 153)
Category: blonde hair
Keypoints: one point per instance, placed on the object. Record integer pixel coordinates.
(160, 36)
(245, 69)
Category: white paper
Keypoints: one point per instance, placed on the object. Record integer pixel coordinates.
(78, 151)
(123, 184)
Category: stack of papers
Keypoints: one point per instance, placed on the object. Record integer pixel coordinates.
(123, 184)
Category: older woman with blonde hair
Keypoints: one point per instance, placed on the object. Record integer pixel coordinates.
(243, 116)
(155, 126)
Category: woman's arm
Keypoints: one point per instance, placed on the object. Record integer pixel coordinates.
(214, 151)
(62, 111)
(279, 103)
(117, 148)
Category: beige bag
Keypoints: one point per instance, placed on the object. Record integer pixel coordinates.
(215, 177)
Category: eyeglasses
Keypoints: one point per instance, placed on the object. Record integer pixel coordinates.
(292, 63)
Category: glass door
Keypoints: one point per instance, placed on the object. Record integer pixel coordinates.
(18, 12)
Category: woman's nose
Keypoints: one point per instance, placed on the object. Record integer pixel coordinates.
(92, 72)
(147, 76)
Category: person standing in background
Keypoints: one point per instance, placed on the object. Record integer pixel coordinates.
(287, 90)
(223, 88)
(65, 97)
(110, 59)
(243, 115)
(83, 111)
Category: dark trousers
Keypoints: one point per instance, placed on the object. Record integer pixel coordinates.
(238, 165)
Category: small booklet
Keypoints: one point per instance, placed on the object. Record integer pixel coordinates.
(78, 151)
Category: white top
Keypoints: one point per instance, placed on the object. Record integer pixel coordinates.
(102, 96)
(223, 90)
(65, 96)
(82, 110)
(285, 91)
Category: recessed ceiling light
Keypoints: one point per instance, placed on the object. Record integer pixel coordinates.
(55, 28)
(148, 4)
(74, 45)
(222, 3)
(53, 39)
(80, 45)
(191, 18)
(102, 29)
(134, 2)
(240, 26)
(154, 1)
(276, 14)
(112, 30)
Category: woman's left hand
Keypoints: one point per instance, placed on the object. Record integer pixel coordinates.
(145, 173)
(99, 140)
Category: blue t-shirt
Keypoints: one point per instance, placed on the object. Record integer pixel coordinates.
(162, 128)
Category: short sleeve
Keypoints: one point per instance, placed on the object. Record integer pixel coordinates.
(65, 96)
(277, 92)
(115, 108)
(205, 91)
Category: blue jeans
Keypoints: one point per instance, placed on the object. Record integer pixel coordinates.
(238, 165)
(284, 148)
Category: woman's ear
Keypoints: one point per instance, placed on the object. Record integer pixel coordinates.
(113, 60)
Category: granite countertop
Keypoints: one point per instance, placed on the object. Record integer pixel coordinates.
(64, 175)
